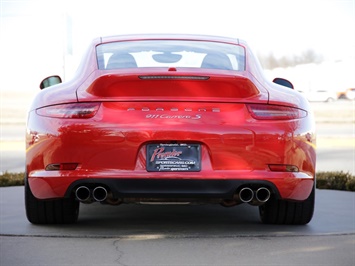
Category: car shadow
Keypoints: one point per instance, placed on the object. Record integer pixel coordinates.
(169, 221)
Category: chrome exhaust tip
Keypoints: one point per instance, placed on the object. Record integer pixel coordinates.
(82, 193)
(262, 194)
(99, 193)
(246, 195)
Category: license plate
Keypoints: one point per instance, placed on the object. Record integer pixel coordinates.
(173, 157)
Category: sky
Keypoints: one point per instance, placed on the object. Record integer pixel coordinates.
(36, 41)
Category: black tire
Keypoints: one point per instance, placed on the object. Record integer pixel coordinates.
(276, 211)
(57, 211)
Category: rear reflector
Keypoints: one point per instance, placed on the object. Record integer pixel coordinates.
(275, 112)
(283, 168)
(61, 166)
(71, 110)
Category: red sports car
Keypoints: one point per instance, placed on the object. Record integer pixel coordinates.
(170, 118)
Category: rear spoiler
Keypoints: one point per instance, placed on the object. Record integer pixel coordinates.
(173, 87)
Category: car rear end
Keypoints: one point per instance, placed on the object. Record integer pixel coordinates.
(172, 133)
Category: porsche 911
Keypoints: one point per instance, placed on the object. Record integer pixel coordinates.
(170, 119)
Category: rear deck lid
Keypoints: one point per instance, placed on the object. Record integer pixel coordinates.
(171, 86)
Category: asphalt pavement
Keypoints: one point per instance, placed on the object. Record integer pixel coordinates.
(178, 235)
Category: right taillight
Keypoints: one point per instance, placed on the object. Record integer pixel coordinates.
(71, 110)
(275, 112)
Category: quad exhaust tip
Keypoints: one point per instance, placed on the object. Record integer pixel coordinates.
(99, 193)
(82, 193)
(262, 194)
(246, 195)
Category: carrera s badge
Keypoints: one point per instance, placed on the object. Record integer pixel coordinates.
(165, 116)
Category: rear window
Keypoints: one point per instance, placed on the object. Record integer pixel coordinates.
(171, 53)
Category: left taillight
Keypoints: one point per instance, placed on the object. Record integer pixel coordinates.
(70, 110)
(275, 112)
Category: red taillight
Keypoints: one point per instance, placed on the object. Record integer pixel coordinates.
(70, 110)
(275, 112)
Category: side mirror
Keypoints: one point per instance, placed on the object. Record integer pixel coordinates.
(283, 82)
(50, 81)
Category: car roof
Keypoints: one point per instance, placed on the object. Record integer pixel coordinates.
(196, 37)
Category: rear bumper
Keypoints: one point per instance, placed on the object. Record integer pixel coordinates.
(292, 186)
